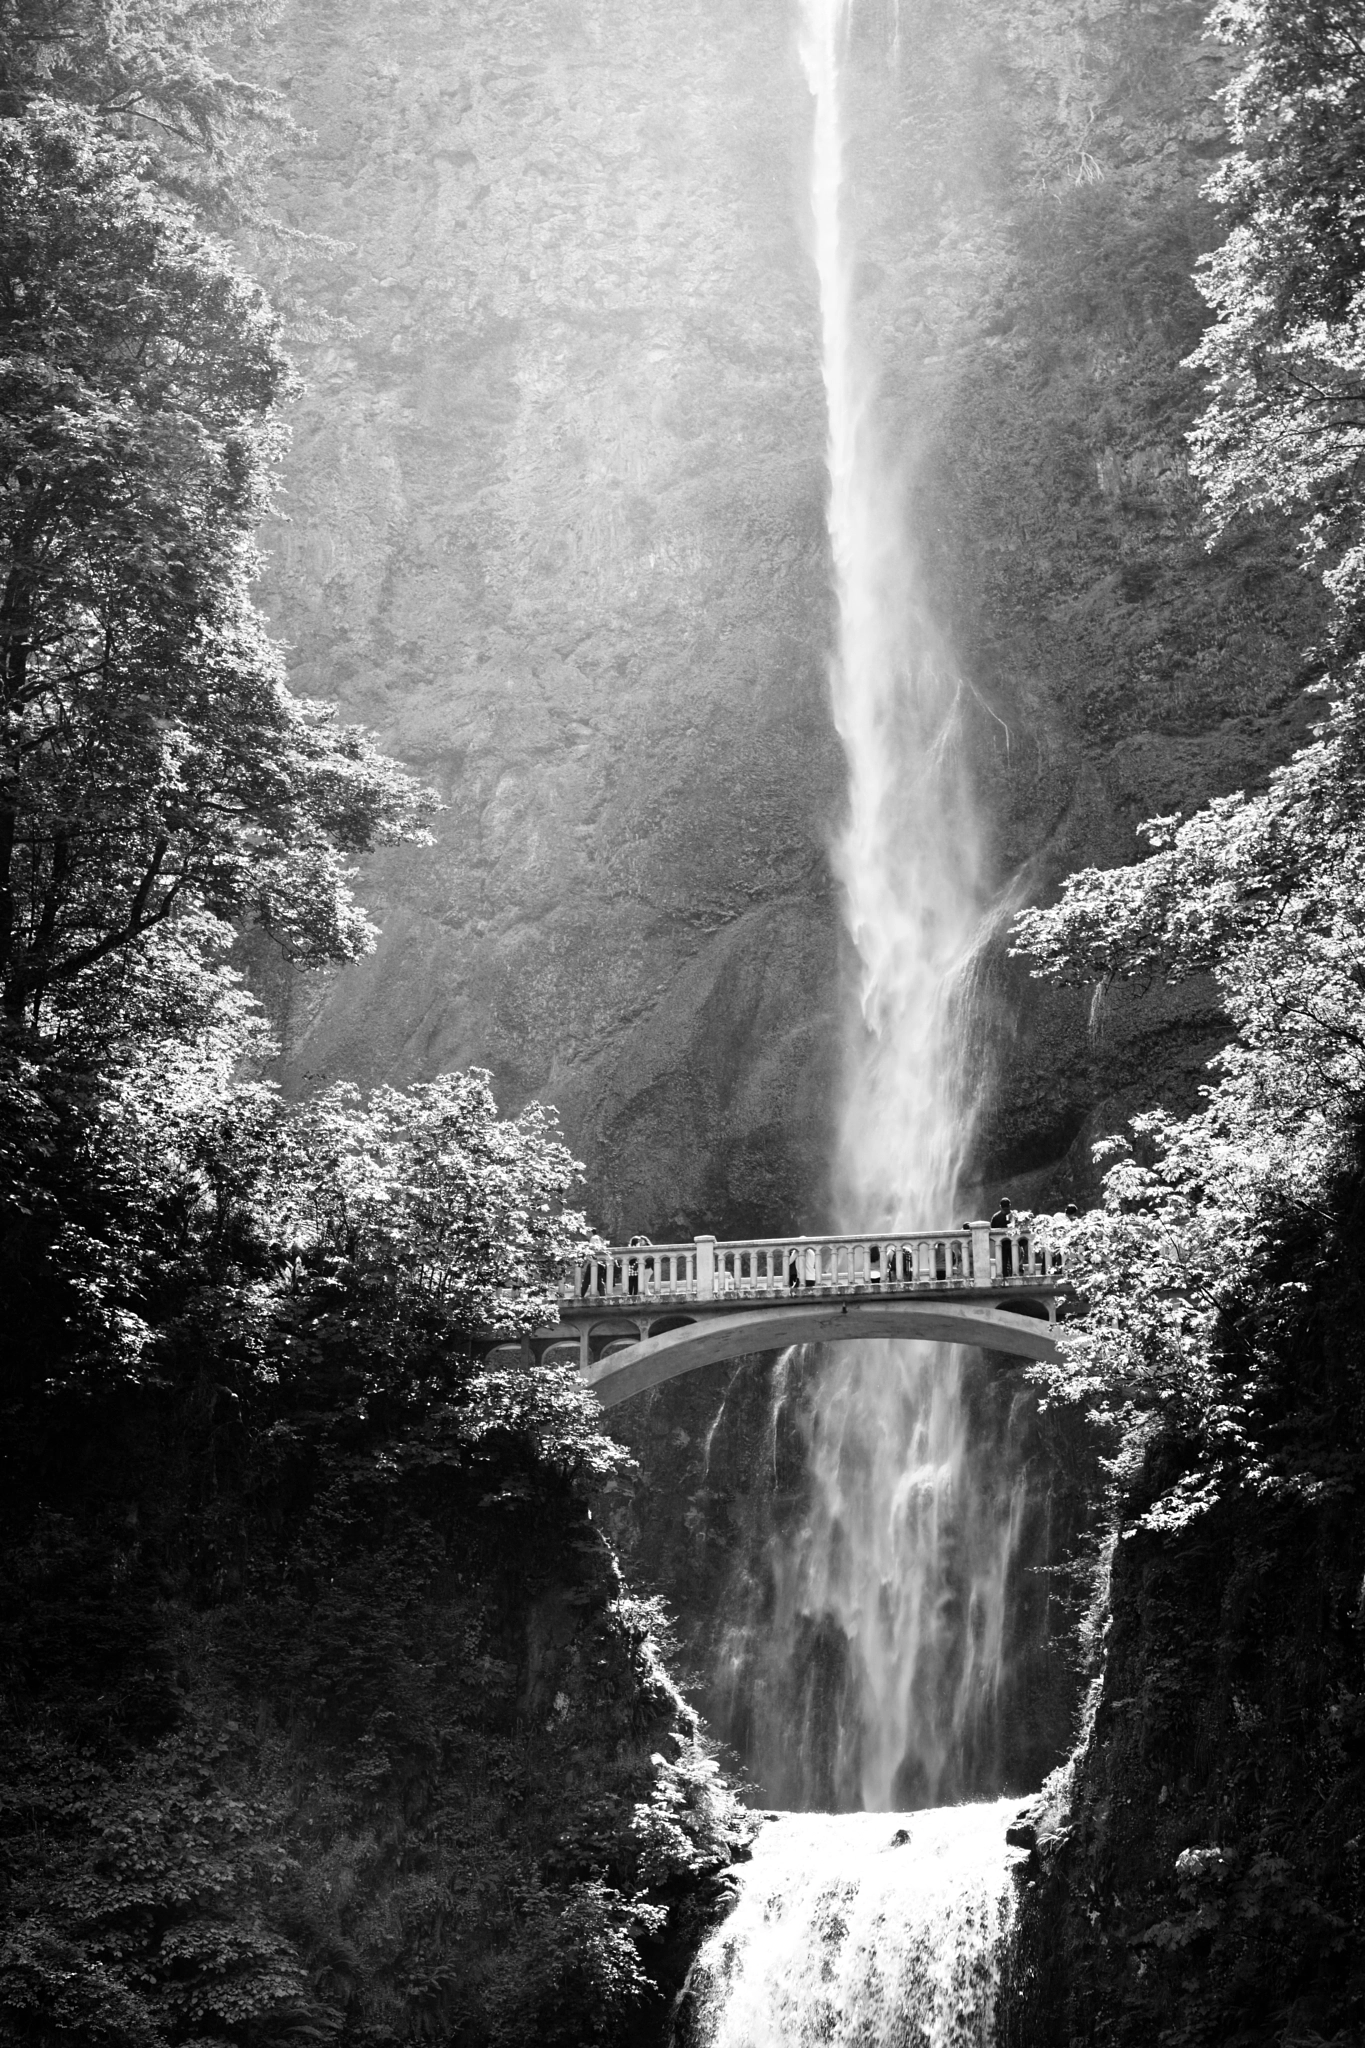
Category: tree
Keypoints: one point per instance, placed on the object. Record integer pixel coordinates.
(1217, 1230)
(1285, 421)
(153, 71)
(154, 764)
(449, 1217)
(1219, 1233)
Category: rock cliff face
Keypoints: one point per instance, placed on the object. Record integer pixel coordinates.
(1201, 1879)
(554, 527)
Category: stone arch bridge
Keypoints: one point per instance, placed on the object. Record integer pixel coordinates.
(633, 1316)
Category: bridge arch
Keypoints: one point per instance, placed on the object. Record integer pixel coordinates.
(1024, 1330)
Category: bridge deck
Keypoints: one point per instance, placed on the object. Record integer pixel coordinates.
(973, 1255)
(638, 1314)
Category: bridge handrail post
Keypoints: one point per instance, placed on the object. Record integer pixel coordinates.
(706, 1268)
(981, 1254)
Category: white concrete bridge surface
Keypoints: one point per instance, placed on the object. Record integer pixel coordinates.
(635, 1315)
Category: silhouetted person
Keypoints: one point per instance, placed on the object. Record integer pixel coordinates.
(633, 1278)
(1002, 1220)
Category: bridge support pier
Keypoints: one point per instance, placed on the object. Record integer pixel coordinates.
(981, 1254)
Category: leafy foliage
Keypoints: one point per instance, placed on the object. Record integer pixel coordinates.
(1285, 356)
(1218, 1230)
(153, 761)
(431, 1204)
(153, 71)
(1219, 1234)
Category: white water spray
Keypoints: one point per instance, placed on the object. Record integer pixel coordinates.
(884, 1635)
(848, 1937)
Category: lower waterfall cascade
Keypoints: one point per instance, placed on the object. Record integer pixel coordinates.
(865, 1661)
(860, 1931)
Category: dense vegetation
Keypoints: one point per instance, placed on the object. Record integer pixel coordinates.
(1213, 1879)
(325, 1713)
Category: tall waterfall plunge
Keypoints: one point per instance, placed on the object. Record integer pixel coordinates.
(863, 1666)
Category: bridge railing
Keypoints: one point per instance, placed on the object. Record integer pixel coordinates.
(765, 1268)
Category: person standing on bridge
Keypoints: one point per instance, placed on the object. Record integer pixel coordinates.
(1002, 1220)
(802, 1264)
(633, 1279)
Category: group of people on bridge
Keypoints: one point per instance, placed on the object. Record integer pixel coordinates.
(1014, 1254)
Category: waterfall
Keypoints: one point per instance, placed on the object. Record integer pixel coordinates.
(863, 1668)
(909, 857)
(860, 1931)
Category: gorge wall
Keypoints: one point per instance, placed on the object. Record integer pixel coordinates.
(553, 526)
